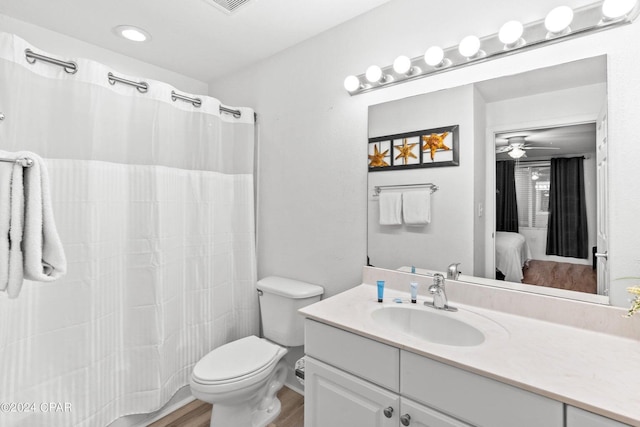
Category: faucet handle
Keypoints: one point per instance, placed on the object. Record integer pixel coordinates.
(452, 271)
(438, 279)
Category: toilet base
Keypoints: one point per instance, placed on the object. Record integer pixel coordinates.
(262, 407)
(242, 415)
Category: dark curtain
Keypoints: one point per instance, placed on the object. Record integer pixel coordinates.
(506, 203)
(567, 233)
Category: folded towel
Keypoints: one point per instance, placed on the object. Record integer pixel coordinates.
(416, 207)
(11, 226)
(390, 208)
(34, 241)
(44, 258)
(6, 172)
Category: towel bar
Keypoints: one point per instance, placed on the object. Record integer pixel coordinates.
(25, 162)
(378, 188)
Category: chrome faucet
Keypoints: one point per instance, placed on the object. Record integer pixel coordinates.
(452, 271)
(439, 295)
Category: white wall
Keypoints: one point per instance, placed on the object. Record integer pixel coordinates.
(394, 246)
(313, 138)
(67, 47)
(479, 208)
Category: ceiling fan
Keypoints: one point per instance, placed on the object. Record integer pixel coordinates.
(516, 146)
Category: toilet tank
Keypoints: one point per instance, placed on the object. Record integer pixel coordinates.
(280, 299)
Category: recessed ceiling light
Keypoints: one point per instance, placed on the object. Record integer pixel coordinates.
(132, 33)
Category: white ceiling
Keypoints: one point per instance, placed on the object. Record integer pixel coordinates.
(560, 141)
(191, 37)
(584, 72)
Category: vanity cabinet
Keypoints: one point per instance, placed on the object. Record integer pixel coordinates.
(354, 381)
(473, 398)
(334, 398)
(337, 399)
(577, 417)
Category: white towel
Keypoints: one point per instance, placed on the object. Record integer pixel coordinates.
(416, 207)
(32, 223)
(11, 226)
(6, 171)
(390, 208)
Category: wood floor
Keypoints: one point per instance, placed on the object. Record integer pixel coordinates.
(198, 413)
(562, 275)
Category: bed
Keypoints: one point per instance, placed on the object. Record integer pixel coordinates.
(512, 254)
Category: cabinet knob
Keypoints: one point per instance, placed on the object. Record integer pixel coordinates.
(405, 419)
(388, 412)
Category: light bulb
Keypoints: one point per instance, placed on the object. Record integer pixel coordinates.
(558, 20)
(615, 9)
(516, 153)
(469, 47)
(434, 56)
(511, 34)
(402, 64)
(373, 74)
(351, 83)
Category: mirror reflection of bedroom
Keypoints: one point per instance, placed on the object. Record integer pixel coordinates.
(546, 209)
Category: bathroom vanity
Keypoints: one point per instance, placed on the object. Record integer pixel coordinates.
(403, 364)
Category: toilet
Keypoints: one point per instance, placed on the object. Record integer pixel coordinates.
(241, 378)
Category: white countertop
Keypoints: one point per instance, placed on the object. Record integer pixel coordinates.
(590, 370)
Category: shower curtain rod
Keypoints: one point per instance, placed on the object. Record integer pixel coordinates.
(25, 162)
(141, 86)
(71, 68)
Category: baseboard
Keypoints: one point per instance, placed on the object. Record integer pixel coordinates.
(297, 387)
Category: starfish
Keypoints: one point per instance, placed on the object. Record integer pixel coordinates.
(406, 151)
(377, 158)
(434, 142)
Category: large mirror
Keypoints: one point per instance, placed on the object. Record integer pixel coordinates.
(525, 205)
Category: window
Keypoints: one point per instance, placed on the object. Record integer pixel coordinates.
(532, 193)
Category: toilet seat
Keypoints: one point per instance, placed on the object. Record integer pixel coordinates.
(247, 359)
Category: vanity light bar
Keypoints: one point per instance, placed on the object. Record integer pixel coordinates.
(586, 20)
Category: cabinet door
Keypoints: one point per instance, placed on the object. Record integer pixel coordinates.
(334, 398)
(581, 418)
(421, 416)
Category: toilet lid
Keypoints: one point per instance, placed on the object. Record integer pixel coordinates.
(235, 359)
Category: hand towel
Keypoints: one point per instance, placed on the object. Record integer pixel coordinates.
(35, 249)
(416, 207)
(11, 226)
(44, 258)
(6, 172)
(390, 208)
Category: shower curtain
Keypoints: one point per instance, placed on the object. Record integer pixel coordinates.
(153, 200)
(506, 202)
(567, 230)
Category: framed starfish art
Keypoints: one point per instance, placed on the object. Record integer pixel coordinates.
(418, 149)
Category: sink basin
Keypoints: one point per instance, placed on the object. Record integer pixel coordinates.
(430, 324)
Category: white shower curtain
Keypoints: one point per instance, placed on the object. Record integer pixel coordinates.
(153, 200)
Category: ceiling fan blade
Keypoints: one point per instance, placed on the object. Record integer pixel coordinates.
(503, 149)
(540, 148)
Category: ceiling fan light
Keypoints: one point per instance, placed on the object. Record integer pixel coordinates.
(516, 153)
